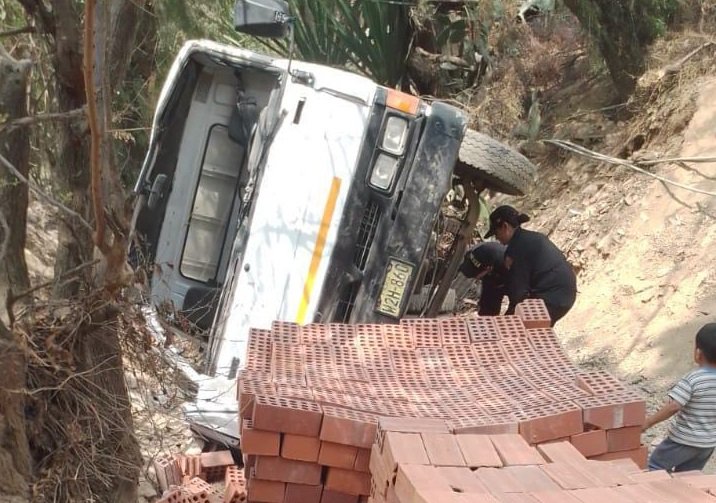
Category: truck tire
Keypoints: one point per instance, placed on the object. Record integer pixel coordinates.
(501, 167)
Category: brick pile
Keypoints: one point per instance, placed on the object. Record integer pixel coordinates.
(416, 462)
(310, 396)
(196, 479)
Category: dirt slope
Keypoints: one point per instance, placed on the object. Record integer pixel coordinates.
(645, 251)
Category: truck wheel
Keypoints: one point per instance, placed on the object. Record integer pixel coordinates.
(502, 168)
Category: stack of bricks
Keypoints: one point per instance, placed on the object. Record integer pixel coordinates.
(419, 462)
(211, 477)
(310, 396)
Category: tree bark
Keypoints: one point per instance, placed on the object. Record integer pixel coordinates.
(15, 147)
(14, 449)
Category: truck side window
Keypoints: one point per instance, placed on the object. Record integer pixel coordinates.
(212, 206)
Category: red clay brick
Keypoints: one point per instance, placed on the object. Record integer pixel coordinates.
(343, 426)
(553, 497)
(624, 439)
(616, 410)
(286, 470)
(342, 334)
(481, 328)
(200, 491)
(639, 456)
(642, 477)
(549, 422)
(625, 465)
(533, 314)
(600, 495)
(362, 460)
(561, 452)
(514, 450)
(492, 425)
(509, 326)
(498, 480)
(253, 441)
(337, 455)
(442, 449)
(300, 448)
(569, 476)
(404, 448)
(169, 471)
(285, 332)
(338, 497)
(530, 479)
(300, 493)
(676, 490)
(590, 443)
(462, 480)
(605, 473)
(234, 485)
(412, 479)
(266, 491)
(247, 391)
(453, 331)
(478, 451)
(214, 464)
(348, 481)
(287, 415)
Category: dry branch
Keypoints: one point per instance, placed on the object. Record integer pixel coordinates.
(39, 118)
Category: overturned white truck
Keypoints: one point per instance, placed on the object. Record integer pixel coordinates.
(281, 190)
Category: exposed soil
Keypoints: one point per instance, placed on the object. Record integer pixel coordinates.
(644, 250)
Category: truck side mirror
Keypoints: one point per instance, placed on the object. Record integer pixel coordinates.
(262, 18)
(158, 191)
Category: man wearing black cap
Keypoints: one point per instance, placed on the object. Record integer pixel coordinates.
(536, 267)
(486, 262)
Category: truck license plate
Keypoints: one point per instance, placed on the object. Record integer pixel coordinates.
(396, 281)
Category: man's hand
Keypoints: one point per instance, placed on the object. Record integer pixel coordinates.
(665, 412)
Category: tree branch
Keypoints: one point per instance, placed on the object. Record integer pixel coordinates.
(41, 194)
(18, 31)
(36, 119)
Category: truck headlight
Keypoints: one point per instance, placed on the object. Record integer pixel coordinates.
(395, 135)
(384, 171)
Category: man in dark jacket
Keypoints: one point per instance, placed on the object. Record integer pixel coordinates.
(536, 267)
(486, 262)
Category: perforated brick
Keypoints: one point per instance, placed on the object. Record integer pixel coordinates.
(453, 332)
(293, 391)
(342, 334)
(258, 352)
(287, 415)
(509, 326)
(424, 332)
(286, 332)
(248, 389)
(599, 382)
(398, 336)
(489, 354)
(482, 328)
(533, 313)
(314, 333)
(368, 336)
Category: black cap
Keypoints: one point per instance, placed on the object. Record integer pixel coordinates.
(505, 214)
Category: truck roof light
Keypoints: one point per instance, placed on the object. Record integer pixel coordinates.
(402, 101)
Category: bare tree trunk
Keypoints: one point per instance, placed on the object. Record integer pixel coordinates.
(14, 449)
(15, 147)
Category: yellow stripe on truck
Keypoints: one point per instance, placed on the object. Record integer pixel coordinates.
(318, 248)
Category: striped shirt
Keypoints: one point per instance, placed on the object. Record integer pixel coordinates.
(695, 423)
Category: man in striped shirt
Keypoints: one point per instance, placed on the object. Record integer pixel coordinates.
(692, 433)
